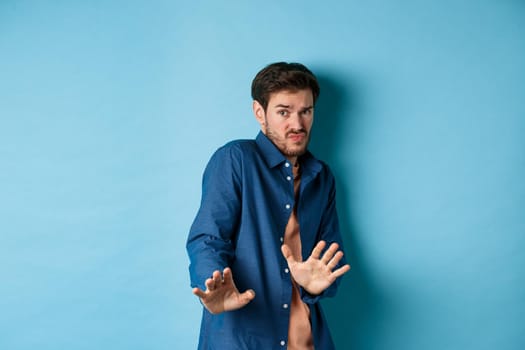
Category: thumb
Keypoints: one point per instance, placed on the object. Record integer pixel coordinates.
(247, 296)
(287, 253)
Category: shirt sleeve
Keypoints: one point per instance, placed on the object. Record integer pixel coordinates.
(209, 243)
(330, 233)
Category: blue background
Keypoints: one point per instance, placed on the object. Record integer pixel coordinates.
(111, 109)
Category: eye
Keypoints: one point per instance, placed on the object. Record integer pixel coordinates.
(282, 113)
(307, 112)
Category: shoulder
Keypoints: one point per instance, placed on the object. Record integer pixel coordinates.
(236, 149)
(239, 145)
(326, 169)
(318, 166)
(232, 155)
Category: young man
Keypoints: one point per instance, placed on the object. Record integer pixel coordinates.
(266, 218)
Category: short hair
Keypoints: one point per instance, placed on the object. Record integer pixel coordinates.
(281, 76)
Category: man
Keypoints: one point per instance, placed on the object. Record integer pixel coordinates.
(266, 204)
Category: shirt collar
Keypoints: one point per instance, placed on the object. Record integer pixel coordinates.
(274, 157)
(269, 151)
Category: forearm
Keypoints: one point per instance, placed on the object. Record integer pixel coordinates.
(314, 298)
(207, 254)
(209, 242)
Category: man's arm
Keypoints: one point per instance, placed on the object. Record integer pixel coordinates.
(333, 258)
(209, 243)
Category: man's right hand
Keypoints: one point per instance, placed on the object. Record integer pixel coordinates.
(221, 294)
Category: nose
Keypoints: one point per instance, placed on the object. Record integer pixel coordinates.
(295, 121)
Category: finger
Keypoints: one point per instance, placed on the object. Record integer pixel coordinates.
(341, 271)
(217, 278)
(215, 281)
(318, 249)
(210, 284)
(329, 254)
(227, 276)
(247, 296)
(335, 260)
(287, 253)
(199, 292)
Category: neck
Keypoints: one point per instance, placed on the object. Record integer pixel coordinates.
(292, 160)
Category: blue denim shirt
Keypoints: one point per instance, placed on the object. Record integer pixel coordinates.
(247, 199)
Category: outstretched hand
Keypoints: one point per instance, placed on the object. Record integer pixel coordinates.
(316, 273)
(221, 293)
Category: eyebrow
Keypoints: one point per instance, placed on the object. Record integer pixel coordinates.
(306, 109)
(288, 106)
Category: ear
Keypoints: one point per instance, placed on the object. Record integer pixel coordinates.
(259, 113)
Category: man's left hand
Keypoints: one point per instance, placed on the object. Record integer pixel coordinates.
(316, 273)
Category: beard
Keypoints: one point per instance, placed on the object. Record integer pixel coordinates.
(287, 147)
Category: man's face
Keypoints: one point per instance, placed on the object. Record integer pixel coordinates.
(287, 120)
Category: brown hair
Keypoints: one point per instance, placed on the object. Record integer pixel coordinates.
(283, 76)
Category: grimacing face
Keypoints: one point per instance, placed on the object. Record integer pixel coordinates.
(287, 120)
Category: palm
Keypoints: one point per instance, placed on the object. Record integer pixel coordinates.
(221, 293)
(316, 273)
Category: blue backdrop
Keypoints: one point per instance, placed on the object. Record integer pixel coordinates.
(111, 109)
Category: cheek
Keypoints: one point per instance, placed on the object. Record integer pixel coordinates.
(277, 125)
(308, 123)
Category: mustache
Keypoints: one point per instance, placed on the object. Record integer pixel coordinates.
(296, 132)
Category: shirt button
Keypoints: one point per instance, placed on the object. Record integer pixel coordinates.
(286, 270)
(289, 178)
(285, 306)
(287, 164)
(283, 343)
(288, 206)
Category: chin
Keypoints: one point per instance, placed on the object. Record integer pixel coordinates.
(295, 152)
